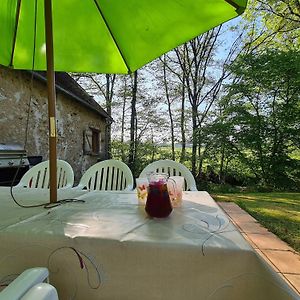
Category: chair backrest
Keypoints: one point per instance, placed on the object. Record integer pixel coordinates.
(38, 176)
(172, 168)
(107, 175)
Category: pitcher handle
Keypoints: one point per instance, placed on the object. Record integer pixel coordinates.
(172, 193)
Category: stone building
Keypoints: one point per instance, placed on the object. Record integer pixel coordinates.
(81, 122)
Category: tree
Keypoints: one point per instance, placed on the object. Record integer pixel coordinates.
(203, 77)
(133, 124)
(169, 103)
(274, 24)
(264, 107)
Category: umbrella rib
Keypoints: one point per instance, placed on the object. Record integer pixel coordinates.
(34, 35)
(239, 9)
(15, 33)
(108, 27)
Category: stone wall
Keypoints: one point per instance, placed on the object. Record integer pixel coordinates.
(72, 119)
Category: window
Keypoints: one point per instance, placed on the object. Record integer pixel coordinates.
(92, 141)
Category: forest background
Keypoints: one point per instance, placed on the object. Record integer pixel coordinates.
(225, 104)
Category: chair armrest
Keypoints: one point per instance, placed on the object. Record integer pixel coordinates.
(16, 289)
(41, 291)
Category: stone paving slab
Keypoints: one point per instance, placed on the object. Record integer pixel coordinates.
(268, 241)
(249, 241)
(294, 279)
(242, 218)
(253, 228)
(262, 255)
(285, 261)
(232, 207)
(280, 256)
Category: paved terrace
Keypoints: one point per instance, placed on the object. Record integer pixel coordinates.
(281, 257)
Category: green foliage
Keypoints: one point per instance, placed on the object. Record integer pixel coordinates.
(220, 188)
(273, 24)
(143, 155)
(146, 153)
(263, 110)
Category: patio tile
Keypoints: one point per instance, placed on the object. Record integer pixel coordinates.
(283, 276)
(249, 241)
(268, 241)
(242, 218)
(285, 261)
(253, 227)
(294, 280)
(261, 254)
(231, 207)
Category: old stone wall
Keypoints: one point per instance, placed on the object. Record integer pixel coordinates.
(73, 118)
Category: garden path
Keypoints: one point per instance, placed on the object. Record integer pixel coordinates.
(279, 255)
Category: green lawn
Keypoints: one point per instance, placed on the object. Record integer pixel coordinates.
(279, 212)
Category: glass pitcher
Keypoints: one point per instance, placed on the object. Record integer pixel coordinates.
(158, 202)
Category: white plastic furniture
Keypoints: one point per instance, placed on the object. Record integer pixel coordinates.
(38, 176)
(41, 291)
(172, 168)
(107, 175)
(30, 286)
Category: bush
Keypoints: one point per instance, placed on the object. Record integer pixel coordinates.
(221, 188)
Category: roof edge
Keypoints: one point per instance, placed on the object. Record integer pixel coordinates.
(102, 113)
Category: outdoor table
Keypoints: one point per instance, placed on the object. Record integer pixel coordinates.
(11, 213)
(108, 248)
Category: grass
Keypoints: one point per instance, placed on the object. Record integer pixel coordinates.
(279, 212)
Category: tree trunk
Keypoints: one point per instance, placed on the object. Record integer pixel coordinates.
(200, 156)
(195, 139)
(110, 81)
(182, 123)
(221, 171)
(153, 146)
(123, 119)
(133, 121)
(169, 102)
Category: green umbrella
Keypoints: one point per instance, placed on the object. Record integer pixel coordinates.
(103, 36)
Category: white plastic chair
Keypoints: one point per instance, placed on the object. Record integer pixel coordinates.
(30, 285)
(41, 291)
(107, 175)
(172, 168)
(38, 176)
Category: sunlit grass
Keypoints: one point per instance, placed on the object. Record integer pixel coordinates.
(279, 212)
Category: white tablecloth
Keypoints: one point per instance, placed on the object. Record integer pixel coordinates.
(11, 213)
(195, 253)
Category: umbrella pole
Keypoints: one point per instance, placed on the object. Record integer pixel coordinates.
(51, 101)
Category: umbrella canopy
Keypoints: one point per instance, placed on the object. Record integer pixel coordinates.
(102, 36)
(115, 36)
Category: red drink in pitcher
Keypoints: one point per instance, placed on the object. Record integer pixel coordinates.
(158, 203)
